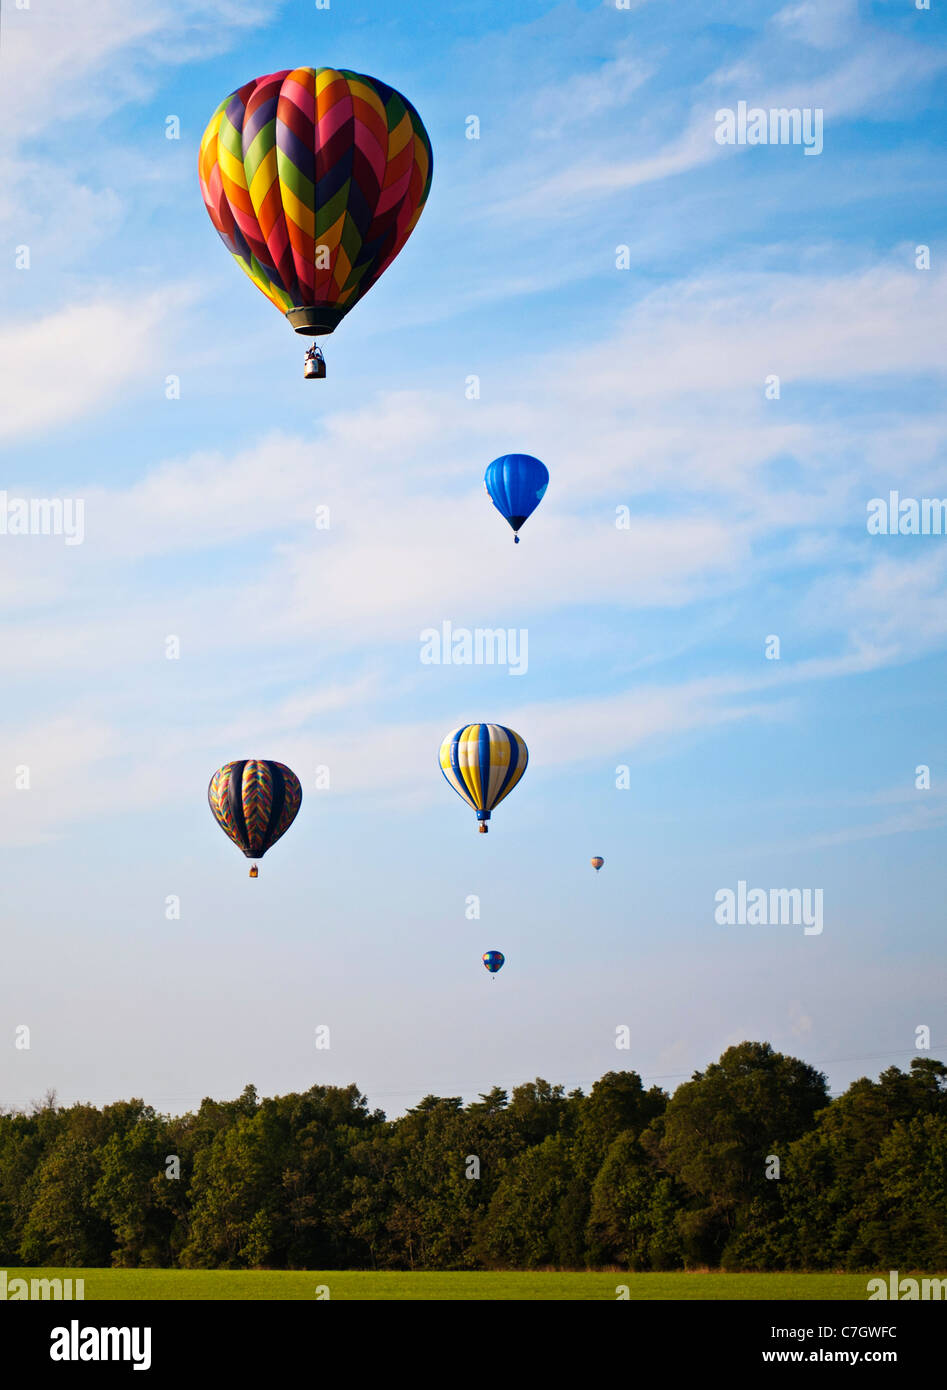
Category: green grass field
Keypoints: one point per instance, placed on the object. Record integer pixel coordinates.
(212, 1285)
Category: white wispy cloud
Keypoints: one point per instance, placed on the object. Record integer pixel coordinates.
(864, 73)
(97, 55)
(667, 409)
(670, 405)
(64, 365)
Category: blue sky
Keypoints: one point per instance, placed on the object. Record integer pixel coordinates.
(640, 388)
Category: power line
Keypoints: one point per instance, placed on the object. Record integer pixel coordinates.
(370, 1093)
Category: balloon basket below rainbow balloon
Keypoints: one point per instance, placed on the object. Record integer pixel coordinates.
(314, 368)
(254, 871)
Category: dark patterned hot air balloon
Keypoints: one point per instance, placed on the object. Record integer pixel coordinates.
(483, 763)
(254, 802)
(315, 179)
(493, 960)
(597, 861)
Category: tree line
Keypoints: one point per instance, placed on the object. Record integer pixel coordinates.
(750, 1165)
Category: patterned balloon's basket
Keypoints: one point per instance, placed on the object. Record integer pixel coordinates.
(254, 871)
(314, 368)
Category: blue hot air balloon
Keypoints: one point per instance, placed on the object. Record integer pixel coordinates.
(493, 960)
(516, 484)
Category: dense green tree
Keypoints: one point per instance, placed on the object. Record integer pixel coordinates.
(536, 1111)
(424, 1186)
(633, 1219)
(128, 1193)
(718, 1133)
(617, 1103)
(530, 1221)
(62, 1227)
(274, 1187)
(621, 1176)
(25, 1139)
(904, 1211)
(829, 1190)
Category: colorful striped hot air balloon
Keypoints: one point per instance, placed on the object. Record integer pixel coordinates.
(493, 960)
(254, 802)
(597, 862)
(516, 484)
(315, 179)
(483, 763)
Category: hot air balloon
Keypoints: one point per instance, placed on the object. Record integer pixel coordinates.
(315, 179)
(483, 763)
(493, 960)
(516, 484)
(597, 862)
(254, 802)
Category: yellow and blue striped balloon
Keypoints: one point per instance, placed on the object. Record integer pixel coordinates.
(483, 763)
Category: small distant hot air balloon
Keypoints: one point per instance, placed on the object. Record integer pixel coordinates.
(254, 802)
(493, 960)
(314, 179)
(597, 862)
(483, 763)
(516, 484)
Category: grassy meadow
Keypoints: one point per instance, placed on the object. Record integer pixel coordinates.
(253, 1285)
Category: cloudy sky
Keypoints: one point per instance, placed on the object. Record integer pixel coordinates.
(622, 287)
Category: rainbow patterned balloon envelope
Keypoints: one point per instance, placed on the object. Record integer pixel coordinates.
(315, 178)
(254, 802)
(493, 960)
